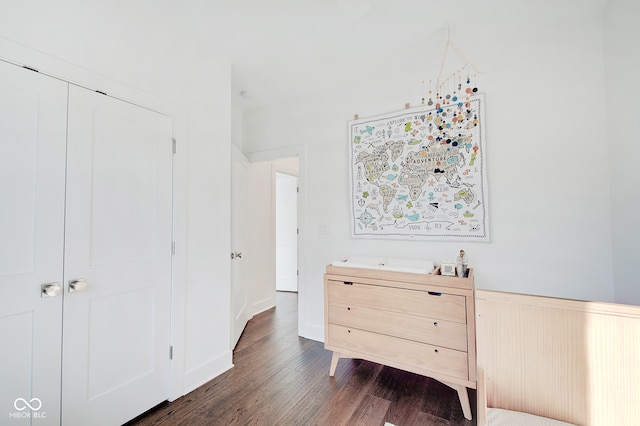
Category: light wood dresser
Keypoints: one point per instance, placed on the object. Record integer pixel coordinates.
(420, 323)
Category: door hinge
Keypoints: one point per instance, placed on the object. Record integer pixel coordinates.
(297, 189)
(173, 248)
(298, 231)
(170, 352)
(174, 145)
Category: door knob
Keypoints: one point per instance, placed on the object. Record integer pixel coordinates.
(77, 285)
(50, 290)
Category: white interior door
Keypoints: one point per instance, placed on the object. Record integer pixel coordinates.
(286, 232)
(32, 168)
(118, 242)
(240, 305)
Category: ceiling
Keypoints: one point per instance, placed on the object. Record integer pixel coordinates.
(286, 48)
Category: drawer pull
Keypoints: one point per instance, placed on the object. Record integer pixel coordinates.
(347, 283)
(434, 293)
(348, 308)
(436, 351)
(435, 324)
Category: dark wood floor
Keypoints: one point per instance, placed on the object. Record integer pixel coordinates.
(282, 379)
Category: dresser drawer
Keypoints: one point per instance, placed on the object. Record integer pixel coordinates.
(413, 302)
(419, 356)
(434, 331)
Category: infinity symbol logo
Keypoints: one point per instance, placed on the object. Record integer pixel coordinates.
(21, 404)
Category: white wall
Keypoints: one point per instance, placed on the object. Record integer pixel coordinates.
(622, 65)
(236, 127)
(287, 165)
(208, 237)
(128, 51)
(547, 161)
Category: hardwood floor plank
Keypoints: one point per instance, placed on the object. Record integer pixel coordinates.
(309, 410)
(258, 384)
(442, 401)
(346, 401)
(405, 391)
(263, 405)
(282, 379)
(370, 412)
(420, 418)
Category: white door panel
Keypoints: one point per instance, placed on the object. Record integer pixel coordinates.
(240, 305)
(32, 182)
(118, 239)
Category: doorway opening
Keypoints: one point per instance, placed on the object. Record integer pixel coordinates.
(266, 166)
(285, 181)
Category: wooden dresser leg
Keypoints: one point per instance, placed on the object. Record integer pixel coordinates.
(464, 401)
(334, 363)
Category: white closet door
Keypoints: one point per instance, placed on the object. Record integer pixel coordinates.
(118, 253)
(32, 172)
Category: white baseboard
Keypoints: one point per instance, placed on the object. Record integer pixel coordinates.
(198, 376)
(310, 331)
(263, 305)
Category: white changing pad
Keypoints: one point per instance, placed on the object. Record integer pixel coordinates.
(500, 417)
(415, 266)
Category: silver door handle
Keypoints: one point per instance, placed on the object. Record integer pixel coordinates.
(77, 285)
(50, 290)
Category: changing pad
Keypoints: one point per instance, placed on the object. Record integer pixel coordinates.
(415, 266)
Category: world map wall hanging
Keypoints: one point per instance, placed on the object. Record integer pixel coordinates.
(420, 173)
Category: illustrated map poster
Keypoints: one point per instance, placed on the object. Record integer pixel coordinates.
(420, 173)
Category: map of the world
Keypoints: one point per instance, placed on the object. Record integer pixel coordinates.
(420, 173)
